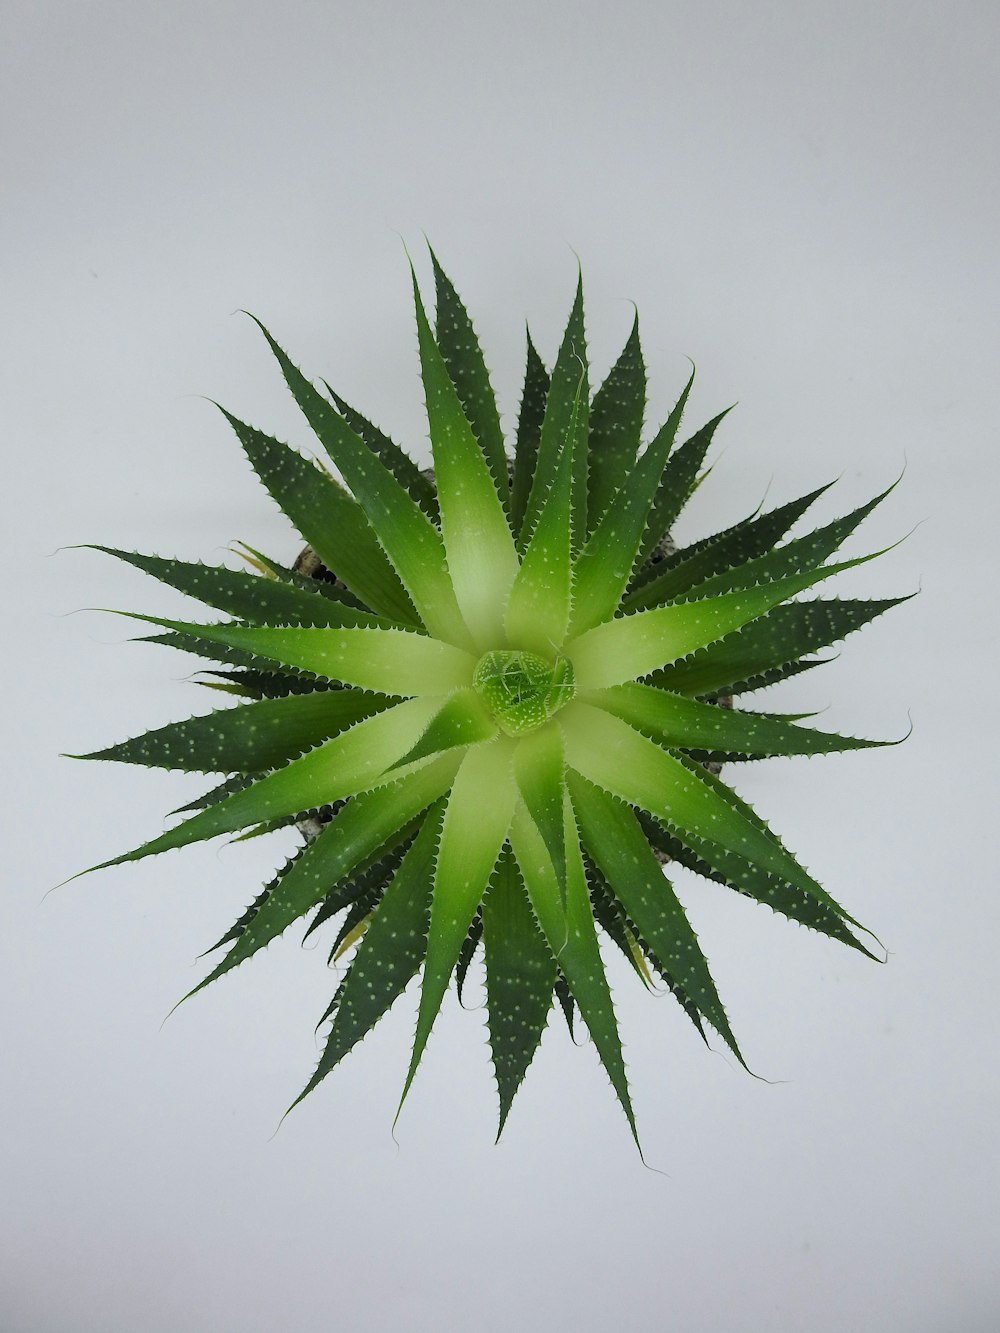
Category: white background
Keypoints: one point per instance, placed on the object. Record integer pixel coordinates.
(803, 198)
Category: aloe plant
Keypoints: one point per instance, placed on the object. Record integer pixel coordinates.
(500, 708)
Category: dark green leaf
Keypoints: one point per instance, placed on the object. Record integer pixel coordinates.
(372, 873)
(257, 684)
(735, 872)
(564, 998)
(803, 553)
(330, 520)
(613, 836)
(468, 952)
(616, 417)
(762, 651)
(251, 738)
(238, 927)
(388, 956)
(572, 938)
(605, 565)
(679, 480)
(215, 794)
(399, 463)
(721, 733)
(405, 534)
(361, 827)
(218, 652)
(248, 596)
(520, 975)
(529, 427)
(568, 402)
(746, 541)
(464, 358)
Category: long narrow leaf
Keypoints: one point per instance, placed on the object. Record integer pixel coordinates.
(761, 651)
(569, 387)
(408, 537)
(612, 835)
(678, 482)
(221, 653)
(572, 938)
(472, 941)
(349, 763)
(616, 416)
(520, 974)
(419, 486)
(481, 558)
(248, 596)
(256, 684)
(686, 724)
(745, 541)
(359, 829)
(529, 429)
(467, 368)
(330, 520)
(540, 772)
(472, 836)
(240, 925)
(388, 956)
(538, 610)
(736, 872)
(605, 564)
(610, 754)
(389, 661)
(635, 645)
(250, 738)
(607, 909)
(803, 553)
(372, 872)
(720, 790)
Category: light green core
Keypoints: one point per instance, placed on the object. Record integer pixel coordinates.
(522, 690)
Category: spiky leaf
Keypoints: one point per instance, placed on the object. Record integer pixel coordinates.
(388, 956)
(464, 359)
(520, 974)
(616, 416)
(529, 428)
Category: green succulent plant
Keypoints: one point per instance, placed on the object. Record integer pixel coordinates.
(499, 704)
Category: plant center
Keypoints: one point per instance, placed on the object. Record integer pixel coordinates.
(522, 690)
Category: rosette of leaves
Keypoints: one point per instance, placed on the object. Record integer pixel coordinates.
(498, 710)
